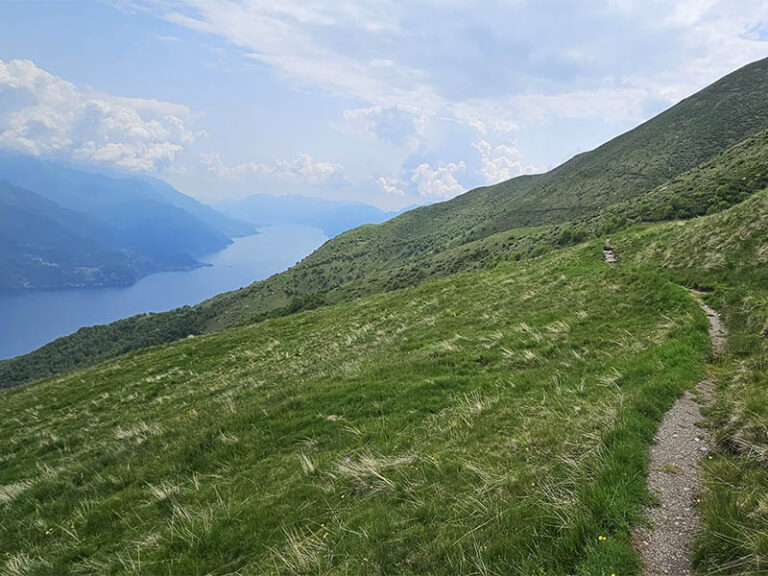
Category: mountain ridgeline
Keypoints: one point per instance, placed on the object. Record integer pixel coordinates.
(469, 388)
(332, 217)
(657, 171)
(66, 227)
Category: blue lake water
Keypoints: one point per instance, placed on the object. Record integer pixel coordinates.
(30, 319)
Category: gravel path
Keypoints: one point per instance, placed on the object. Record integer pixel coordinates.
(665, 546)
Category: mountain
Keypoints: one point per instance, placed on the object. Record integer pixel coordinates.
(449, 392)
(330, 216)
(43, 245)
(475, 230)
(119, 229)
(499, 418)
(233, 226)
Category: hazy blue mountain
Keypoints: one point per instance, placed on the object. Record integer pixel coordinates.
(232, 227)
(43, 245)
(333, 217)
(114, 228)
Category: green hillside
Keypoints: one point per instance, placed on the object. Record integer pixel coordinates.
(492, 422)
(726, 179)
(594, 193)
(728, 254)
(466, 389)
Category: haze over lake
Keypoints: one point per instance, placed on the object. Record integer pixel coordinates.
(30, 319)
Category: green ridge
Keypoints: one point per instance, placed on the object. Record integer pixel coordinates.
(484, 410)
(446, 237)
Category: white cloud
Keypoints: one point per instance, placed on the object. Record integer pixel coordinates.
(392, 185)
(439, 182)
(435, 83)
(502, 162)
(394, 55)
(619, 105)
(43, 114)
(303, 168)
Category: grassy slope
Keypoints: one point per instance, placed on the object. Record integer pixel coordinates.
(446, 237)
(677, 140)
(728, 253)
(492, 422)
(722, 181)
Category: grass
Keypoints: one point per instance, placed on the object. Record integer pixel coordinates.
(495, 422)
(490, 422)
(727, 255)
(601, 190)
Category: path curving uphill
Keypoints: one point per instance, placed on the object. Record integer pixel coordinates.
(665, 545)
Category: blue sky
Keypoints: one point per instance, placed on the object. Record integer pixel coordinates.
(385, 102)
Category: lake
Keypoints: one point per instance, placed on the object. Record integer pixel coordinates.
(30, 319)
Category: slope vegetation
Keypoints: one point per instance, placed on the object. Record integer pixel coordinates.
(491, 422)
(727, 254)
(496, 421)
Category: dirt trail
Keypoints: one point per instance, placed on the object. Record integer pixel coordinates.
(717, 330)
(665, 546)
(609, 255)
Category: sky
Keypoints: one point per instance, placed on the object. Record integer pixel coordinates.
(378, 101)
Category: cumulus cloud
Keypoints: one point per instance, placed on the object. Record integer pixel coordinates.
(502, 162)
(390, 185)
(42, 114)
(438, 182)
(303, 168)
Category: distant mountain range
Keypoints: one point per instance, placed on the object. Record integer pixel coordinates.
(333, 217)
(63, 227)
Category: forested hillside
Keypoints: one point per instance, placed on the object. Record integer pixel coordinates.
(64, 227)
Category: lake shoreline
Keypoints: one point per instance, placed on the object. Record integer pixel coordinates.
(35, 317)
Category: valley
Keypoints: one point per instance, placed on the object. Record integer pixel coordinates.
(477, 386)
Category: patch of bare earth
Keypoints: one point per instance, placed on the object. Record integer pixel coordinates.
(609, 255)
(665, 545)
